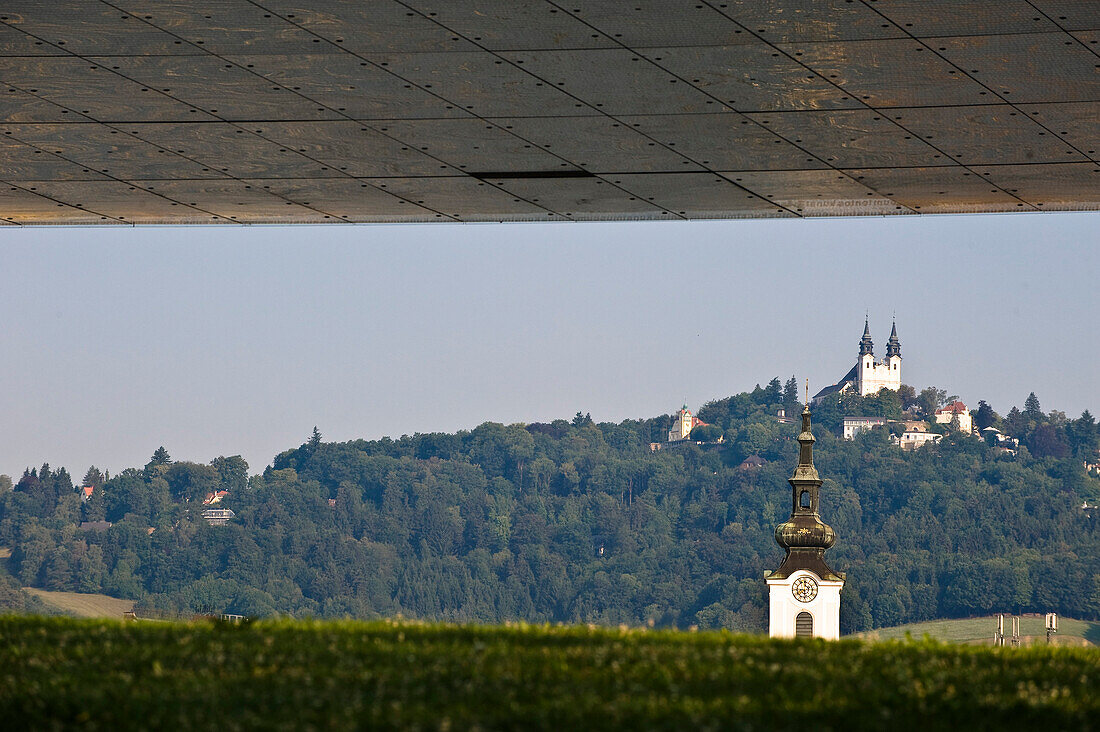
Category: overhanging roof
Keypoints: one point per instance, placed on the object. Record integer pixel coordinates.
(292, 111)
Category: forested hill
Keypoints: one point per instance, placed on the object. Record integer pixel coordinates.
(581, 522)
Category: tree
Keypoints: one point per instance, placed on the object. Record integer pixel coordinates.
(189, 481)
(1015, 423)
(582, 420)
(314, 440)
(1048, 441)
(706, 433)
(5, 483)
(774, 391)
(158, 463)
(232, 472)
(1082, 436)
(1032, 408)
(790, 394)
(908, 396)
(884, 403)
(930, 399)
(93, 477)
(984, 416)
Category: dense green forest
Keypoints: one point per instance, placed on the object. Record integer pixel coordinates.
(581, 522)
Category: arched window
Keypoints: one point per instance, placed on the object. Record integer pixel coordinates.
(804, 625)
(804, 499)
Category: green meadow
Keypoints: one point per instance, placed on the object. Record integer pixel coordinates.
(95, 674)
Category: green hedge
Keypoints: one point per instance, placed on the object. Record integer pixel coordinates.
(60, 673)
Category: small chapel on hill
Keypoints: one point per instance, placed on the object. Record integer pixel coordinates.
(869, 375)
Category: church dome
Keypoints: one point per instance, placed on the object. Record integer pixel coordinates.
(804, 532)
(804, 536)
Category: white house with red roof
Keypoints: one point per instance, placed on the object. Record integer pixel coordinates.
(955, 409)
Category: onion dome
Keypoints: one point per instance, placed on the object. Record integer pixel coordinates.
(893, 346)
(866, 345)
(804, 535)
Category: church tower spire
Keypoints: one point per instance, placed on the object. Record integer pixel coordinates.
(805, 591)
(866, 345)
(893, 346)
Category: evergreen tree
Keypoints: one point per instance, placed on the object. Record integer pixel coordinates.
(907, 395)
(1015, 423)
(1083, 436)
(790, 395)
(93, 477)
(774, 391)
(984, 416)
(158, 463)
(1032, 408)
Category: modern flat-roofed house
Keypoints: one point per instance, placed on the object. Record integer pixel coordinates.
(218, 516)
(912, 439)
(854, 425)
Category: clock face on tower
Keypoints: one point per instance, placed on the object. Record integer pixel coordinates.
(804, 589)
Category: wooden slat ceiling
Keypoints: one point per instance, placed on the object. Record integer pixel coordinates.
(307, 111)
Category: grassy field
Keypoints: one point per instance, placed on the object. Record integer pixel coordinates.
(61, 672)
(979, 631)
(83, 604)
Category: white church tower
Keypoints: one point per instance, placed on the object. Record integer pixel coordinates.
(871, 375)
(804, 592)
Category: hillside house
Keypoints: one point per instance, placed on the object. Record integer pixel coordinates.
(947, 415)
(215, 497)
(218, 516)
(912, 439)
(854, 425)
(752, 462)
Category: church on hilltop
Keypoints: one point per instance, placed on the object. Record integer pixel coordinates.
(869, 375)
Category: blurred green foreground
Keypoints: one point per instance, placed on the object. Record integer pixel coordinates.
(94, 674)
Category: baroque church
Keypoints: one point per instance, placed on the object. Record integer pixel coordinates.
(869, 375)
(804, 593)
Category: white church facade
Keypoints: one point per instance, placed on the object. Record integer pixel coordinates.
(868, 376)
(804, 593)
(684, 424)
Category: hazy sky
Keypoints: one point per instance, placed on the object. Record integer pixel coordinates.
(214, 341)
